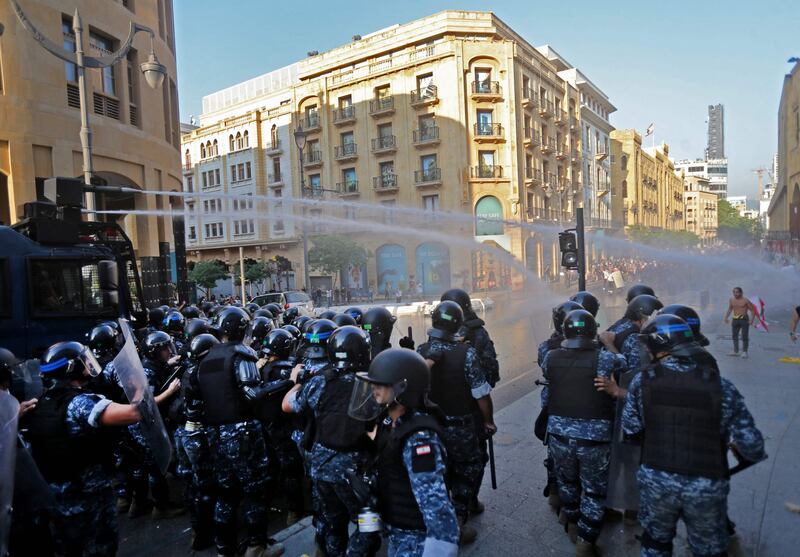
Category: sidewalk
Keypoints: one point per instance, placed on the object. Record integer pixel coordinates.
(518, 520)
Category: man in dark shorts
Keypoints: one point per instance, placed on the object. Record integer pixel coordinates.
(742, 308)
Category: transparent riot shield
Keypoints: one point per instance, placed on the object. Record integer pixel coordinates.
(9, 411)
(134, 382)
(27, 380)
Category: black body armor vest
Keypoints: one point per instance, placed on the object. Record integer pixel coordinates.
(571, 375)
(223, 402)
(335, 428)
(449, 388)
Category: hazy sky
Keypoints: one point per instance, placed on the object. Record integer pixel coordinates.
(658, 62)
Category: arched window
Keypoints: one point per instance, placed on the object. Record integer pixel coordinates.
(187, 159)
(202, 151)
(216, 148)
(624, 162)
(238, 141)
(488, 216)
(209, 152)
(231, 145)
(246, 138)
(624, 189)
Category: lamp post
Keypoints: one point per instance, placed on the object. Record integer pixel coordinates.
(300, 137)
(154, 73)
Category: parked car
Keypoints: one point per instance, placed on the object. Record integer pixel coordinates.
(287, 300)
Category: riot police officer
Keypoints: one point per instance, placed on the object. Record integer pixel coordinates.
(378, 322)
(686, 417)
(194, 327)
(192, 312)
(72, 444)
(356, 313)
(557, 337)
(338, 443)
(155, 320)
(342, 319)
(290, 315)
(315, 355)
(626, 342)
(460, 388)
(692, 319)
(638, 290)
(276, 311)
(625, 326)
(588, 300)
(174, 324)
(579, 426)
(228, 380)
(413, 499)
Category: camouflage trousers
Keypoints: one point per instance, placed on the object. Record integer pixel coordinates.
(85, 525)
(582, 476)
(200, 494)
(702, 503)
(288, 471)
(405, 543)
(241, 472)
(335, 507)
(465, 463)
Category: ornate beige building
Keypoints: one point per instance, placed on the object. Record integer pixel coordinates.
(700, 204)
(135, 128)
(452, 114)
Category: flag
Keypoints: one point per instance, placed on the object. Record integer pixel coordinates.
(650, 129)
(758, 305)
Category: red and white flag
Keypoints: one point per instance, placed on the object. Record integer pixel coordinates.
(650, 129)
(758, 305)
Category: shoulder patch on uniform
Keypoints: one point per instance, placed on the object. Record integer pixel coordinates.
(423, 458)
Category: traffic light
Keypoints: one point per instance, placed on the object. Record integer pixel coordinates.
(568, 243)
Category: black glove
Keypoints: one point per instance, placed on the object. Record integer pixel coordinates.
(406, 342)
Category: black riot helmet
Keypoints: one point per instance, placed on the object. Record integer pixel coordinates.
(274, 308)
(459, 296)
(580, 330)
(667, 333)
(252, 308)
(200, 345)
(174, 322)
(349, 348)
(279, 343)
(304, 324)
(378, 321)
(155, 317)
(560, 312)
(316, 337)
(206, 307)
(192, 312)
(342, 319)
(446, 321)
(642, 307)
(196, 327)
(260, 328)
(692, 319)
(638, 290)
(355, 313)
(155, 342)
(233, 323)
(102, 340)
(69, 360)
(588, 300)
(290, 315)
(294, 331)
(263, 313)
(327, 314)
(404, 371)
(300, 321)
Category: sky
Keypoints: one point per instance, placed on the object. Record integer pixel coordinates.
(660, 63)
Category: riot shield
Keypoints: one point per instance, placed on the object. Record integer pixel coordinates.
(27, 380)
(9, 411)
(134, 382)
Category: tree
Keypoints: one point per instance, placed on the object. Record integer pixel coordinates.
(333, 254)
(206, 274)
(733, 227)
(663, 238)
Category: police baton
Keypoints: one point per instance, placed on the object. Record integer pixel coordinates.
(492, 469)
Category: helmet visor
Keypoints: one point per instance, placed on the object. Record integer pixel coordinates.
(368, 400)
(247, 340)
(93, 367)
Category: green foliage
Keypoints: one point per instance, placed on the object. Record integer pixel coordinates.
(734, 228)
(206, 274)
(332, 254)
(663, 238)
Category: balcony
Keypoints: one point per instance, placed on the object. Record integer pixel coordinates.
(381, 107)
(574, 125)
(346, 152)
(188, 168)
(275, 180)
(486, 91)
(546, 108)
(428, 135)
(311, 123)
(575, 155)
(385, 183)
(344, 115)
(384, 144)
(548, 145)
(529, 98)
(561, 117)
(530, 138)
(312, 159)
(348, 189)
(486, 172)
(424, 96)
(488, 133)
(428, 177)
(562, 152)
(274, 147)
(533, 175)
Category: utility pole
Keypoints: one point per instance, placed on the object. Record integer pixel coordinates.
(581, 248)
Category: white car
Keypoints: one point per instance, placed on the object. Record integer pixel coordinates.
(287, 300)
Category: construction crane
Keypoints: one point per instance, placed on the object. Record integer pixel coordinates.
(760, 173)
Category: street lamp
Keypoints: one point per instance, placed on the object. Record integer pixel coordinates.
(154, 73)
(300, 139)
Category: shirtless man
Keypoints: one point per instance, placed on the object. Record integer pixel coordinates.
(741, 308)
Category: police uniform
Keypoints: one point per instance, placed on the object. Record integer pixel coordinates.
(75, 455)
(678, 400)
(623, 329)
(338, 446)
(414, 502)
(552, 343)
(579, 429)
(457, 381)
(236, 443)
